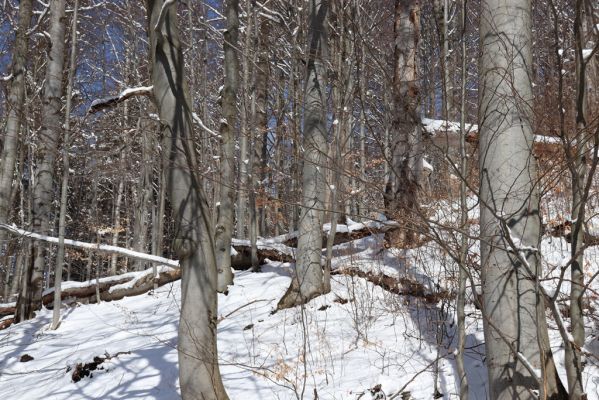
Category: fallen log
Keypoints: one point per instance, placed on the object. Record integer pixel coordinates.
(403, 286)
(267, 249)
(97, 247)
(110, 288)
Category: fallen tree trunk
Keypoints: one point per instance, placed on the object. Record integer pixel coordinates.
(97, 247)
(110, 288)
(267, 249)
(402, 285)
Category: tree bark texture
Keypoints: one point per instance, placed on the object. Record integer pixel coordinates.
(65, 171)
(308, 281)
(514, 311)
(228, 126)
(199, 374)
(47, 144)
(14, 109)
(401, 197)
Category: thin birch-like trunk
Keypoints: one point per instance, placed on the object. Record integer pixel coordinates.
(65, 173)
(228, 127)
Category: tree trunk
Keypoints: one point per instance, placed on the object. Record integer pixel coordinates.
(462, 273)
(514, 311)
(65, 172)
(401, 197)
(579, 172)
(308, 280)
(143, 193)
(224, 226)
(43, 190)
(14, 109)
(261, 123)
(199, 374)
(15, 102)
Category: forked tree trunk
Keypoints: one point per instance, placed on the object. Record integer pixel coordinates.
(199, 374)
(513, 309)
(224, 225)
(43, 190)
(308, 280)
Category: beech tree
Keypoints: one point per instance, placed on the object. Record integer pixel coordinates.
(15, 111)
(199, 374)
(309, 280)
(47, 146)
(228, 126)
(515, 328)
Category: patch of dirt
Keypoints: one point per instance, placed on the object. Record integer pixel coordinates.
(81, 371)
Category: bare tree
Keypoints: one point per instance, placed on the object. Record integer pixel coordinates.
(199, 374)
(15, 107)
(308, 281)
(228, 125)
(514, 308)
(401, 193)
(47, 145)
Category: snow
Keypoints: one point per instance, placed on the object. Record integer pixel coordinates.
(132, 276)
(348, 341)
(586, 53)
(434, 126)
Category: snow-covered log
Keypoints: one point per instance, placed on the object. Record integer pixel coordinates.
(97, 247)
(106, 102)
(110, 288)
(403, 286)
(267, 249)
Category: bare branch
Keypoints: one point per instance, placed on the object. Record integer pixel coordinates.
(98, 247)
(100, 104)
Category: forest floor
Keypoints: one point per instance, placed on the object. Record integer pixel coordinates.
(339, 345)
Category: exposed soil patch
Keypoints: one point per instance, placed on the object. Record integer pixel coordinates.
(85, 370)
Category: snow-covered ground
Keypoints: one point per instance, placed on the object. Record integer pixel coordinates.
(340, 344)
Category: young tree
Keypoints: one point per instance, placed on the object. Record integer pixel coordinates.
(199, 374)
(513, 307)
(309, 280)
(15, 107)
(228, 125)
(65, 173)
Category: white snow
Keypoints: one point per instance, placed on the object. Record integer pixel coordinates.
(347, 341)
(435, 126)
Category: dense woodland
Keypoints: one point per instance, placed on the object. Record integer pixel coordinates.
(184, 138)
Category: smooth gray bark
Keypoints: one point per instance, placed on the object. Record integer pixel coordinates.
(15, 102)
(308, 281)
(14, 108)
(579, 172)
(47, 143)
(199, 374)
(64, 189)
(462, 273)
(514, 310)
(228, 126)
